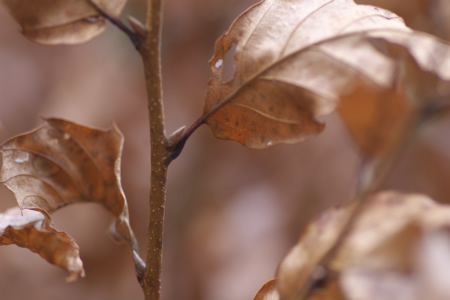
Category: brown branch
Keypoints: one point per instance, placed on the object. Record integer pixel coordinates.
(150, 51)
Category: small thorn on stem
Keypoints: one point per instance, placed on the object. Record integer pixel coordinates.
(139, 266)
(176, 136)
(138, 27)
(176, 142)
(135, 37)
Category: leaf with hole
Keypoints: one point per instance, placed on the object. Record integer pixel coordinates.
(294, 61)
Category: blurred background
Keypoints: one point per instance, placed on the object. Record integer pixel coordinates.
(232, 213)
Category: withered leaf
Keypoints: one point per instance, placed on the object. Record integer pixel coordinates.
(31, 230)
(62, 163)
(54, 22)
(293, 61)
(375, 115)
(386, 255)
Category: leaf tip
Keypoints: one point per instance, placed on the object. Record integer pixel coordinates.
(138, 27)
(139, 265)
(75, 268)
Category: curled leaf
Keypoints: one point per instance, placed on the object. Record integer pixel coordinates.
(54, 22)
(62, 163)
(394, 251)
(293, 61)
(374, 115)
(31, 230)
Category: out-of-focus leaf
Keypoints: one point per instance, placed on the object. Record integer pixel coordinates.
(424, 62)
(430, 16)
(62, 163)
(31, 230)
(268, 291)
(293, 61)
(318, 237)
(54, 22)
(374, 116)
(392, 252)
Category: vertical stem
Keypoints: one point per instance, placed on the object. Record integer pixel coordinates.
(151, 55)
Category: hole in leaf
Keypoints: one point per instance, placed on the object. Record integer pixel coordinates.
(228, 64)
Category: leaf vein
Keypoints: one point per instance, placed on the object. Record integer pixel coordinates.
(265, 114)
(301, 23)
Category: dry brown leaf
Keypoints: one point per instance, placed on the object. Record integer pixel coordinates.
(62, 163)
(393, 252)
(268, 291)
(54, 22)
(293, 60)
(376, 116)
(31, 230)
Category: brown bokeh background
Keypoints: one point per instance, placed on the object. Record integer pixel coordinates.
(232, 213)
